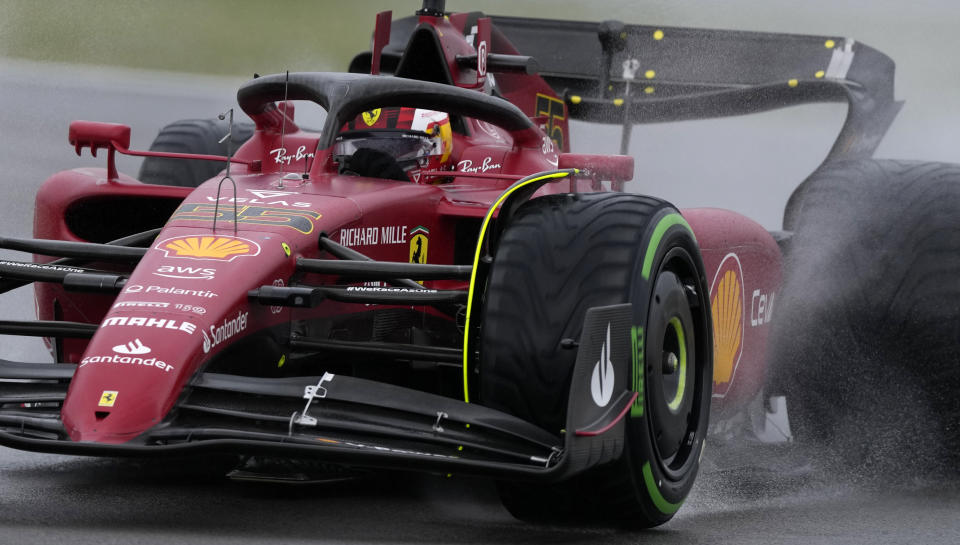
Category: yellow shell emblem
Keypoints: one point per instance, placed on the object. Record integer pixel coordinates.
(727, 310)
(371, 117)
(211, 247)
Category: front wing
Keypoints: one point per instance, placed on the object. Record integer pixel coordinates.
(343, 420)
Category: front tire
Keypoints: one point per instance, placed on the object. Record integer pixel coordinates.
(559, 256)
(201, 136)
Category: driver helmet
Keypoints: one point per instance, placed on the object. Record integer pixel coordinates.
(415, 139)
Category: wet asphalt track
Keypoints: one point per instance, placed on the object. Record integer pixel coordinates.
(49, 498)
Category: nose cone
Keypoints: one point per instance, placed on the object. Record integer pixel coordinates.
(129, 378)
(184, 303)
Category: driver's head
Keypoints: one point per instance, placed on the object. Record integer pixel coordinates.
(395, 143)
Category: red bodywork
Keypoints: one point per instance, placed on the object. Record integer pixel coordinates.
(187, 300)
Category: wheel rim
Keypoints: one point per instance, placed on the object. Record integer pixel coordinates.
(675, 324)
(675, 362)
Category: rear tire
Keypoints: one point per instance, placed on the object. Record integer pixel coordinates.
(867, 346)
(201, 136)
(559, 256)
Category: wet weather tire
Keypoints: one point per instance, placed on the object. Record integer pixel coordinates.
(200, 136)
(867, 343)
(559, 256)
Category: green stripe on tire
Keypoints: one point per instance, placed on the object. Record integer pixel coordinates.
(665, 223)
(659, 501)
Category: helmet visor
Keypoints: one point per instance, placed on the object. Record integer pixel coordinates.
(403, 146)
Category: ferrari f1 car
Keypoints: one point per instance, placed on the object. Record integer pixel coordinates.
(433, 281)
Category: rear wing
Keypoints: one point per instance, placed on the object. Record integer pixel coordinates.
(690, 73)
(612, 72)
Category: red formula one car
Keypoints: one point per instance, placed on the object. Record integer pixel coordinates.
(432, 280)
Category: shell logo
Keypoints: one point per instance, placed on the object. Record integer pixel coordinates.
(726, 300)
(208, 247)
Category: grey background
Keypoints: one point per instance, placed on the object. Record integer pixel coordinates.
(748, 164)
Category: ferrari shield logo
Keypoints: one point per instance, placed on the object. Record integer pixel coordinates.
(418, 244)
(371, 117)
(108, 398)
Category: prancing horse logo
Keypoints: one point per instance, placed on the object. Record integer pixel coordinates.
(371, 117)
(419, 239)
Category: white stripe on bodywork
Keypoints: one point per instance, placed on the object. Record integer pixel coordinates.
(841, 60)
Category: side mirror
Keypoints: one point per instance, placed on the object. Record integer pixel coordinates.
(96, 135)
(616, 168)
